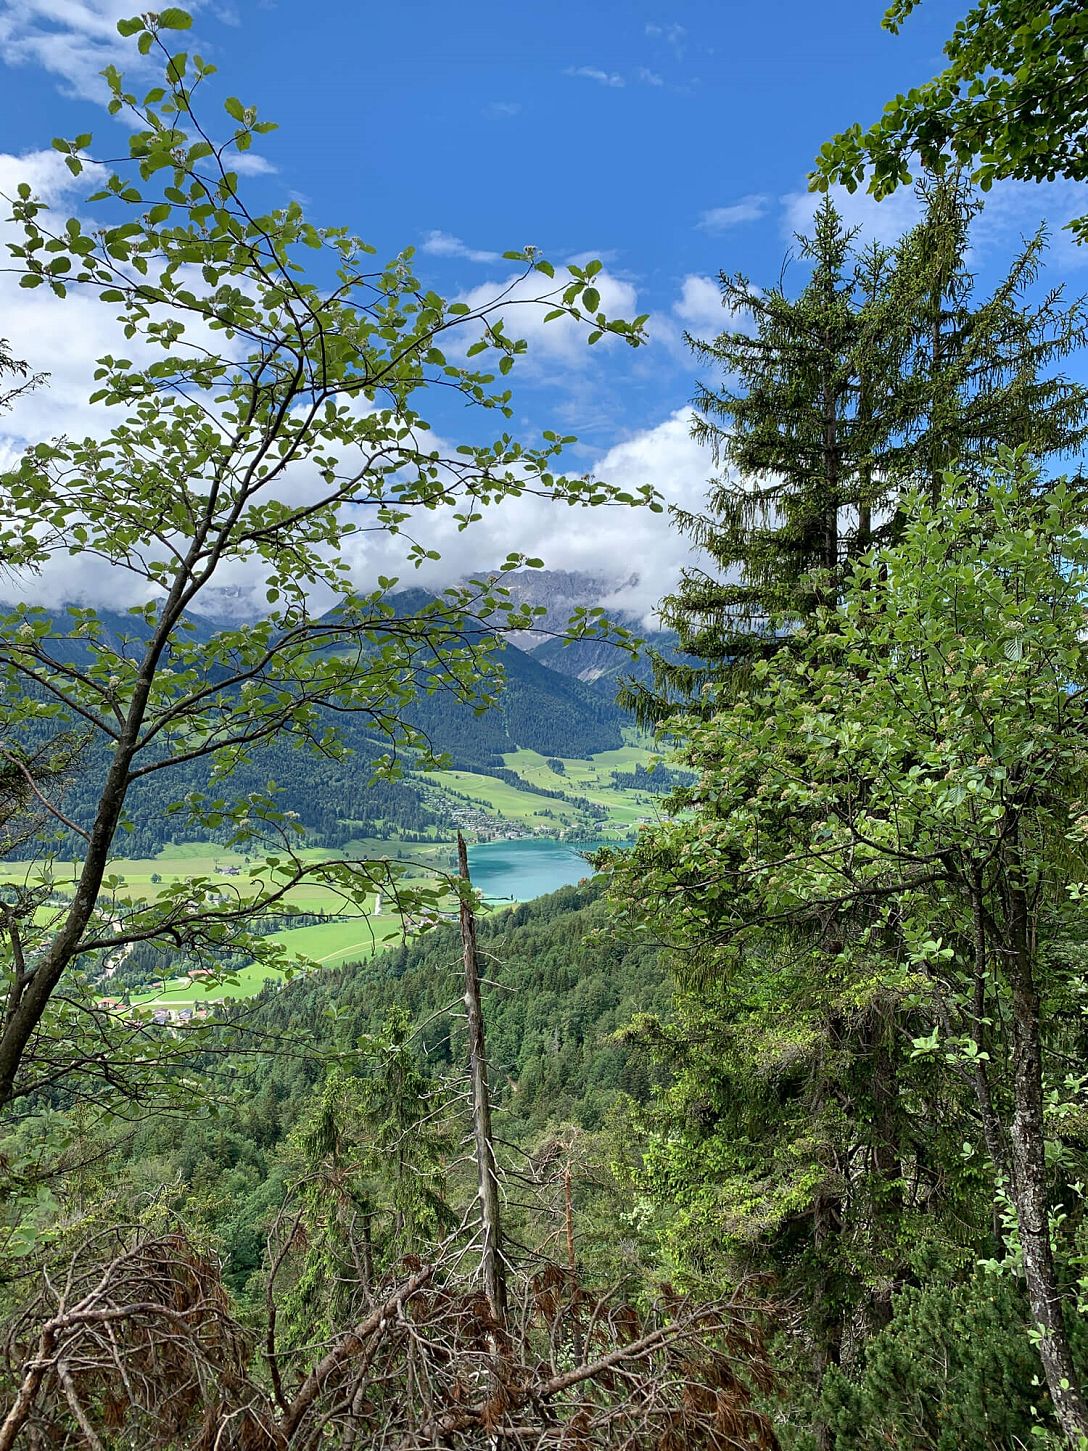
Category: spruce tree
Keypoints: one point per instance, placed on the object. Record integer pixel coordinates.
(885, 370)
(978, 372)
(785, 434)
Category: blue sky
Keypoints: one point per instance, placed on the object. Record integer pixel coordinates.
(671, 140)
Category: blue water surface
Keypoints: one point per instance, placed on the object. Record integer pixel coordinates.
(520, 870)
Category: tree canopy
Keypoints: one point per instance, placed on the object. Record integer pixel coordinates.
(1012, 103)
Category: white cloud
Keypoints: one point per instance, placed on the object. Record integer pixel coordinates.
(71, 39)
(673, 35)
(700, 304)
(62, 338)
(747, 209)
(593, 73)
(502, 110)
(636, 548)
(700, 311)
(45, 173)
(75, 40)
(1014, 210)
(614, 79)
(562, 340)
(67, 336)
(444, 244)
(884, 221)
(250, 163)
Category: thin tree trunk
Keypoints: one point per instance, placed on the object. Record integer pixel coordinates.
(368, 1252)
(1028, 1140)
(572, 1273)
(992, 1130)
(886, 1163)
(494, 1269)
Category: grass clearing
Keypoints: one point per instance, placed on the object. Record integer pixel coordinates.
(330, 944)
(621, 807)
(502, 799)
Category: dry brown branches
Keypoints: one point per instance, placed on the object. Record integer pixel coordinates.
(137, 1345)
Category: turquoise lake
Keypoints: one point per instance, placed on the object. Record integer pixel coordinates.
(521, 870)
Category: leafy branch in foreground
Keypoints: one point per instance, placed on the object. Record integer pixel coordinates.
(1012, 102)
(269, 430)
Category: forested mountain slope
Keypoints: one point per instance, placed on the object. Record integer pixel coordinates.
(561, 983)
(538, 708)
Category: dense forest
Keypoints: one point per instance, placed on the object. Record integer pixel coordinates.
(771, 1134)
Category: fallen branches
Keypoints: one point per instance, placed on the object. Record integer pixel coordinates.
(138, 1340)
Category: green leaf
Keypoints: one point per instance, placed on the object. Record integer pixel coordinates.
(591, 298)
(234, 108)
(174, 19)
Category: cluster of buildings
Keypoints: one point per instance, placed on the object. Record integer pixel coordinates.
(160, 1014)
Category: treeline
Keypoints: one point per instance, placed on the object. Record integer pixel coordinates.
(658, 779)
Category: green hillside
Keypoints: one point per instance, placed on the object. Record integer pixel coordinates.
(340, 800)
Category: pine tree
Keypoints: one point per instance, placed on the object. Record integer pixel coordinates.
(786, 436)
(978, 371)
(884, 371)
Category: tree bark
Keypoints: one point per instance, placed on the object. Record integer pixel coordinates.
(885, 1160)
(1028, 1156)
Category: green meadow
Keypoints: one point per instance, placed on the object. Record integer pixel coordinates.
(330, 944)
(621, 807)
(357, 933)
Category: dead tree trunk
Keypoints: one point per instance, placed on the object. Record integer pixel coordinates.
(493, 1265)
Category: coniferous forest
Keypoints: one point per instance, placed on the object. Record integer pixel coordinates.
(769, 1134)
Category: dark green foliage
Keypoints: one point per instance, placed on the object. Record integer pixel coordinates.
(875, 894)
(656, 778)
(885, 369)
(559, 984)
(954, 1369)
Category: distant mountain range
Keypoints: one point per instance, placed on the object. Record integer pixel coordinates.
(595, 663)
(558, 700)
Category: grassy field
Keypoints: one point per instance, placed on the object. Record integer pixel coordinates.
(329, 943)
(145, 878)
(501, 799)
(358, 935)
(621, 807)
